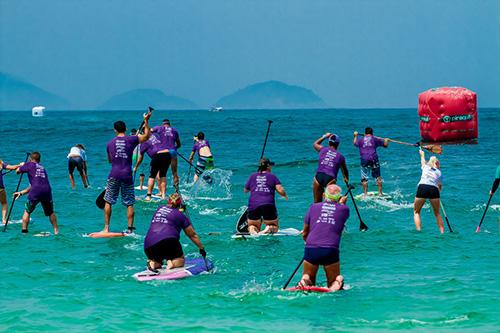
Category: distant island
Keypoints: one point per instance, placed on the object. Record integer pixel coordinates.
(17, 94)
(137, 99)
(272, 95)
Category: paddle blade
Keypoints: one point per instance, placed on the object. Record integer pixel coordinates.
(478, 229)
(100, 203)
(435, 149)
(362, 226)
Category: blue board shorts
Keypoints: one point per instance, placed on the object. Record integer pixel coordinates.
(114, 187)
(366, 166)
(321, 255)
(173, 153)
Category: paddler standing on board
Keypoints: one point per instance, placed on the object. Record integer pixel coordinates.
(171, 142)
(205, 158)
(323, 226)
(261, 204)
(120, 180)
(330, 161)
(368, 145)
(162, 240)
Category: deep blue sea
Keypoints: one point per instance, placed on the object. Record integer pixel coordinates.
(400, 280)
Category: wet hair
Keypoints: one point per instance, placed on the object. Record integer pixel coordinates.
(433, 162)
(36, 156)
(369, 130)
(120, 126)
(200, 136)
(79, 145)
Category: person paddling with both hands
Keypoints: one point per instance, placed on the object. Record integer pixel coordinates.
(323, 226)
(205, 158)
(3, 194)
(162, 240)
(329, 163)
(39, 191)
(261, 205)
(429, 187)
(120, 179)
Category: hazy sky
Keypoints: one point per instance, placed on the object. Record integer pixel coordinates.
(351, 53)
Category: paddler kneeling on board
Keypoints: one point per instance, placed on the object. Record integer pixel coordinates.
(162, 240)
(323, 227)
(261, 204)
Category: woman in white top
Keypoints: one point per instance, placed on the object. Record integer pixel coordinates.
(429, 187)
(77, 158)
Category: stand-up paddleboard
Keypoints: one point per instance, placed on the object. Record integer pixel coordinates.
(281, 232)
(311, 289)
(242, 224)
(101, 234)
(154, 198)
(191, 267)
(144, 188)
(371, 195)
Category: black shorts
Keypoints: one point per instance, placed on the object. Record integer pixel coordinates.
(167, 249)
(427, 192)
(75, 162)
(323, 179)
(47, 205)
(265, 212)
(321, 255)
(160, 164)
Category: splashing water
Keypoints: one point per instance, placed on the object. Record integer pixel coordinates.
(213, 184)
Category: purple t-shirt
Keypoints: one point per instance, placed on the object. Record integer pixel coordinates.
(368, 147)
(152, 146)
(120, 151)
(3, 167)
(166, 223)
(326, 221)
(262, 186)
(330, 161)
(39, 181)
(200, 144)
(167, 135)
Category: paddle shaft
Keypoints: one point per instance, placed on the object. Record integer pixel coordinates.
(446, 216)
(190, 163)
(293, 274)
(267, 135)
(362, 225)
(484, 214)
(150, 109)
(14, 199)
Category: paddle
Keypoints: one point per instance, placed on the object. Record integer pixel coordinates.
(478, 229)
(362, 225)
(99, 201)
(14, 199)
(190, 164)
(435, 149)
(242, 225)
(446, 216)
(150, 109)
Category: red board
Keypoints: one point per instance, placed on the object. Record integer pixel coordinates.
(448, 114)
(315, 289)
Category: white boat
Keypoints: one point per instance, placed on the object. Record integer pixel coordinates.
(217, 109)
(37, 111)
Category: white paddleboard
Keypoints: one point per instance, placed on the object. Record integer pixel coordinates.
(373, 195)
(144, 188)
(281, 232)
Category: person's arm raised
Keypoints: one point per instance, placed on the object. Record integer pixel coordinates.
(317, 144)
(422, 157)
(147, 131)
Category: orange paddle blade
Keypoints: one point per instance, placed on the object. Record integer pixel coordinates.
(435, 149)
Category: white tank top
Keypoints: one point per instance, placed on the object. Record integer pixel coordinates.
(430, 176)
(75, 151)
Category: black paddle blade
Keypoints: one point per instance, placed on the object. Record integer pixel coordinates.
(362, 226)
(100, 203)
(207, 179)
(242, 224)
(150, 109)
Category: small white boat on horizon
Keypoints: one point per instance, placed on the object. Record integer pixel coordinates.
(216, 109)
(37, 111)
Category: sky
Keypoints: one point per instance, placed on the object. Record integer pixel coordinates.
(352, 53)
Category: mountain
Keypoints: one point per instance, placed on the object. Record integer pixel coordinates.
(138, 99)
(272, 95)
(17, 94)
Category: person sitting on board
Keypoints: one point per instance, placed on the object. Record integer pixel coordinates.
(39, 191)
(330, 161)
(3, 194)
(261, 204)
(368, 145)
(160, 162)
(162, 240)
(120, 179)
(494, 187)
(77, 158)
(171, 141)
(205, 158)
(323, 226)
(429, 187)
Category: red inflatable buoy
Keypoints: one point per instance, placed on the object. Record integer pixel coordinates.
(448, 114)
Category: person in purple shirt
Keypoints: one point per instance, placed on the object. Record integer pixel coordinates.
(162, 240)
(368, 145)
(171, 141)
(330, 161)
(39, 191)
(261, 205)
(160, 161)
(120, 179)
(323, 226)
(3, 194)
(205, 158)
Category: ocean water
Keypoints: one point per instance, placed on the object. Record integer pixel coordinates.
(400, 280)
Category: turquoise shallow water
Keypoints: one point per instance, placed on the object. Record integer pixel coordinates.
(400, 280)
